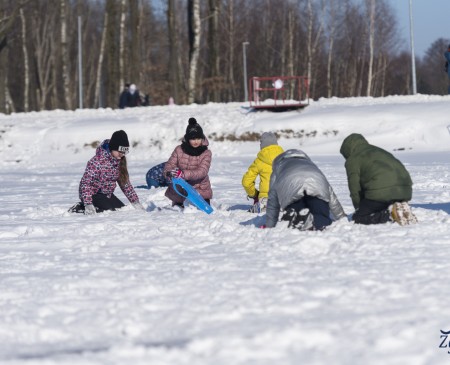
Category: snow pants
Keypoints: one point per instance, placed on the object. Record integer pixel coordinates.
(297, 213)
(101, 203)
(372, 212)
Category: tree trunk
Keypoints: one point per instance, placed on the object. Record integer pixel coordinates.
(6, 24)
(100, 63)
(313, 44)
(371, 45)
(65, 56)
(231, 37)
(3, 78)
(122, 45)
(44, 50)
(194, 46)
(309, 45)
(332, 34)
(26, 71)
(174, 71)
(10, 108)
(290, 60)
(213, 40)
(9, 22)
(112, 81)
(134, 61)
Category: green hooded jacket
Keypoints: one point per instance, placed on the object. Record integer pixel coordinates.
(374, 173)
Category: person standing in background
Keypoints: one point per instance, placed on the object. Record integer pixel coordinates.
(123, 99)
(130, 97)
(134, 99)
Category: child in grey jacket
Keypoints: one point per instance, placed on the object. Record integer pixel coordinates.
(301, 190)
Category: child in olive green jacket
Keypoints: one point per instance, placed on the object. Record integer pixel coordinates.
(380, 186)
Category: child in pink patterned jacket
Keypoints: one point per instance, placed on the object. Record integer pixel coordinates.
(103, 171)
(191, 161)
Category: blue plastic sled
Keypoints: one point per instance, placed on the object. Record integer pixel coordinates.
(191, 194)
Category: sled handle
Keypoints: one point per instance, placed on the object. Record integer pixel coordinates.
(175, 188)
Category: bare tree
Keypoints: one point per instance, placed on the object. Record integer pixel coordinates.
(6, 24)
(194, 46)
(100, 62)
(26, 86)
(122, 43)
(230, 43)
(112, 74)
(434, 79)
(65, 55)
(314, 35)
(134, 60)
(44, 51)
(213, 41)
(332, 21)
(291, 31)
(371, 15)
(174, 53)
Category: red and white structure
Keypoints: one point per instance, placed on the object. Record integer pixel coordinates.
(279, 92)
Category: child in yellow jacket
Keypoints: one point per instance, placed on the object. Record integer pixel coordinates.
(262, 166)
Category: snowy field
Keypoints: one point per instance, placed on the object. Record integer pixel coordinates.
(163, 287)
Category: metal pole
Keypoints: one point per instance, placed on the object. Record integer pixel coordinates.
(413, 57)
(244, 52)
(80, 65)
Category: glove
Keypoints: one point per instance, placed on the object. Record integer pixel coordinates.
(138, 206)
(89, 209)
(263, 226)
(177, 173)
(255, 197)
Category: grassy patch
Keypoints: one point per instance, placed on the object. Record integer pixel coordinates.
(255, 137)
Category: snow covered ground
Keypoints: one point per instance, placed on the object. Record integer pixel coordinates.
(164, 287)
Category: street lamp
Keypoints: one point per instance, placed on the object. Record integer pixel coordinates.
(244, 52)
(80, 65)
(413, 58)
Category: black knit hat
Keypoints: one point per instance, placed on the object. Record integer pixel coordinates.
(119, 139)
(193, 130)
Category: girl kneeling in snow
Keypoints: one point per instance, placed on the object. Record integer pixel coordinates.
(190, 161)
(108, 166)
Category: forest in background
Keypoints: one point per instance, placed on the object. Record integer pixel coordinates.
(192, 50)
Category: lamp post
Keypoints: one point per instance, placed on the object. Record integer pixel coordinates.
(413, 58)
(80, 65)
(244, 52)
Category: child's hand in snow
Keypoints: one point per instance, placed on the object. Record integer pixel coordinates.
(89, 209)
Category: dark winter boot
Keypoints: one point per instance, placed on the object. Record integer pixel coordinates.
(77, 208)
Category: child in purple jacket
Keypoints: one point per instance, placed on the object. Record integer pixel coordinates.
(103, 171)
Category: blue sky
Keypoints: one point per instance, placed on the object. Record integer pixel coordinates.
(431, 20)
